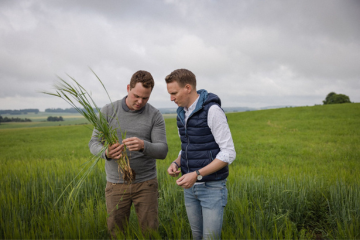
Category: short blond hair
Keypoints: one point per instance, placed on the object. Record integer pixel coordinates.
(182, 77)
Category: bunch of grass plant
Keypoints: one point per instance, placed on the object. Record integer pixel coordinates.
(77, 95)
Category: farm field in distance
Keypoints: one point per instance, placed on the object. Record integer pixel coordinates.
(40, 120)
(295, 177)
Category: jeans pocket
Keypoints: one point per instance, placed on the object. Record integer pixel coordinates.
(225, 197)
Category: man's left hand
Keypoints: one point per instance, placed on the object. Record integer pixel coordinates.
(187, 180)
(134, 144)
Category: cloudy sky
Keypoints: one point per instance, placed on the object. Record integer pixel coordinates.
(250, 53)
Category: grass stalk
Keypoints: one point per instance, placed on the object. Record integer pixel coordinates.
(75, 94)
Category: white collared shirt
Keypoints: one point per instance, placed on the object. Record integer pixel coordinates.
(219, 127)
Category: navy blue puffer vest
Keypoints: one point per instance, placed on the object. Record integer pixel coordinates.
(198, 146)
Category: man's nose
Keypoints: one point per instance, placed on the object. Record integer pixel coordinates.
(172, 98)
(140, 101)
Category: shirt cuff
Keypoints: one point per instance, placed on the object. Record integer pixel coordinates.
(105, 157)
(145, 147)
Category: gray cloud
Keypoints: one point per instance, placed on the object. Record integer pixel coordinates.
(251, 53)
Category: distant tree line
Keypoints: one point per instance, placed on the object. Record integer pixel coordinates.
(333, 98)
(6, 119)
(60, 110)
(18, 112)
(55, 119)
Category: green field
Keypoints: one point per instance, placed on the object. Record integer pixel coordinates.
(296, 176)
(40, 120)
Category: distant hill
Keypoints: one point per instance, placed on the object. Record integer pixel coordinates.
(66, 110)
(227, 109)
(162, 110)
(167, 110)
(238, 109)
(274, 107)
(18, 112)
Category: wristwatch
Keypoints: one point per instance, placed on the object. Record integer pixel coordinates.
(199, 177)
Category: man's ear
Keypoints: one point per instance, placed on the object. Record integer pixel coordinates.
(128, 88)
(188, 88)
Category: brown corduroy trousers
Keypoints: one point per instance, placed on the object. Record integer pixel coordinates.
(120, 197)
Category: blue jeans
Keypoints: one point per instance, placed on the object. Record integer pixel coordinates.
(205, 205)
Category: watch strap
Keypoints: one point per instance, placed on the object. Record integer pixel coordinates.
(176, 164)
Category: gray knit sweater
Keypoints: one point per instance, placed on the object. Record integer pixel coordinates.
(146, 124)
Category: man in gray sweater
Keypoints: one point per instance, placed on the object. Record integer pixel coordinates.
(145, 142)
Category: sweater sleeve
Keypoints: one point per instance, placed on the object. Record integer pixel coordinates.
(95, 144)
(158, 147)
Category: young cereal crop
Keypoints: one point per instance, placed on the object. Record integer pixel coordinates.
(295, 177)
(77, 95)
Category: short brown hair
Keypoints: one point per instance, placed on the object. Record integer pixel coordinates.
(143, 77)
(182, 77)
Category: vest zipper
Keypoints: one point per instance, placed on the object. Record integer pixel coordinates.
(187, 160)
(212, 159)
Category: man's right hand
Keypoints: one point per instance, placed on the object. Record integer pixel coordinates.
(114, 151)
(173, 170)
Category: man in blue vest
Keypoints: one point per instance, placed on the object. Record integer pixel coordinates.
(207, 149)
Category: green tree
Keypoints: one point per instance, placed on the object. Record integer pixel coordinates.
(328, 98)
(55, 119)
(333, 98)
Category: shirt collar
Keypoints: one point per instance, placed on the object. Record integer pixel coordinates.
(193, 106)
(127, 109)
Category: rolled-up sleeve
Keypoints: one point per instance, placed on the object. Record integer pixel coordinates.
(221, 131)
